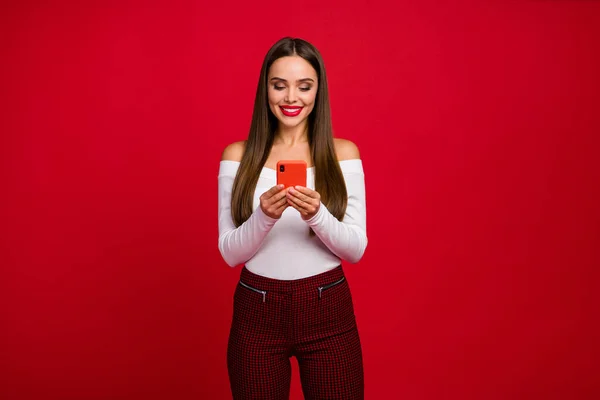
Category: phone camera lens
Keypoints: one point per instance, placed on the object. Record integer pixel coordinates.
(281, 168)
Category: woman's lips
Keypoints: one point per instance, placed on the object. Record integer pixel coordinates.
(290, 111)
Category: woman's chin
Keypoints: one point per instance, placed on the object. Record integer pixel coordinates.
(290, 122)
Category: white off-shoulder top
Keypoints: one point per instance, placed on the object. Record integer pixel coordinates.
(282, 248)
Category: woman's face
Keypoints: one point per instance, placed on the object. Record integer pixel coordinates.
(292, 89)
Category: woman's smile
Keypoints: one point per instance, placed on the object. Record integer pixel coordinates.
(291, 111)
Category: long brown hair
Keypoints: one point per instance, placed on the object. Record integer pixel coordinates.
(329, 181)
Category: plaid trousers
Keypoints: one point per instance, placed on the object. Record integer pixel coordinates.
(311, 319)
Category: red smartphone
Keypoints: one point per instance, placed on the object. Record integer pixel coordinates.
(291, 173)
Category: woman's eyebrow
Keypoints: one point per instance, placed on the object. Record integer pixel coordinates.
(299, 80)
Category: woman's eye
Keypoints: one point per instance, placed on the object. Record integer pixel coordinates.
(302, 89)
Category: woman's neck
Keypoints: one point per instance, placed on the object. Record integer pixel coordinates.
(291, 136)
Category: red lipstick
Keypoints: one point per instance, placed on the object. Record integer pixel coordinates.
(290, 111)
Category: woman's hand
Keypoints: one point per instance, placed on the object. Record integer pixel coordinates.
(305, 200)
(273, 202)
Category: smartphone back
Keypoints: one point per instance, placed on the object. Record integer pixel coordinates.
(291, 173)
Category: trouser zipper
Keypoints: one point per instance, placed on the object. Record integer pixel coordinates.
(321, 288)
(263, 292)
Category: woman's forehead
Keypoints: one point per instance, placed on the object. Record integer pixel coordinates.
(292, 68)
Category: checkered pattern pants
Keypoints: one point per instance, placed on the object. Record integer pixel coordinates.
(310, 318)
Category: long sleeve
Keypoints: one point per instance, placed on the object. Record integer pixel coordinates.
(346, 239)
(238, 245)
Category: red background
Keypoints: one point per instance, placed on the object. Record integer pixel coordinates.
(477, 124)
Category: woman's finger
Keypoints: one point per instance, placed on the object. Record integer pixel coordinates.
(268, 202)
(307, 192)
(272, 192)
(299, 195)
(297, 203)
(280, 202)
(273, 208)
(296, 207)
(282, 208)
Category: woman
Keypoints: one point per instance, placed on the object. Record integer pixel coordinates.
(292, 298)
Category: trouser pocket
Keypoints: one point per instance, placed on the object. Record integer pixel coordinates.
(261, 292)
(323, 288)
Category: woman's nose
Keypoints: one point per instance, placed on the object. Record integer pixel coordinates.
(290, 96)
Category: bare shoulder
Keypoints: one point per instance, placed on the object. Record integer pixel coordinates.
(346, 149)
(234, 151)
